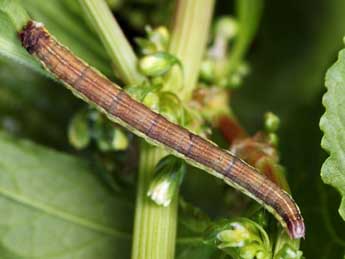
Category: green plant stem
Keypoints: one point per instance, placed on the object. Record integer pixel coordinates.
(155, 226)
(188, 42)
(249, 15)
(113, 39)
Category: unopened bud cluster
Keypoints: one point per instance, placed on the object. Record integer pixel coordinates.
(214, 69)
(89, 125)
(156, 61)
(241, 238)
(155, 64)
(272, 123)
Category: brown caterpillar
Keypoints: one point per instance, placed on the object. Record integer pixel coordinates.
(88, 84)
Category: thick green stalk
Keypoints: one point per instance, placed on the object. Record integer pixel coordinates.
(155, 226)
(188, 42)
(249, 14)
(113, 39)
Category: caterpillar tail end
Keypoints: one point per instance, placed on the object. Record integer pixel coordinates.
(296, 229)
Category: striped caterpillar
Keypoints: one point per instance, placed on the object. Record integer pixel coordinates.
(94, 88)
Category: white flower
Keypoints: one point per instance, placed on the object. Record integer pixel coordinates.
(160, 193)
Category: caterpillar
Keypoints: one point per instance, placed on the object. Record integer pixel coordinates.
(90, 85)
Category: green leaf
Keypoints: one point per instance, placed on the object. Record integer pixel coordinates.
(28, 105)
(12, 18)
(15, 13)
(290, 59)
(332, 123)
(53, 206)
(63, 20)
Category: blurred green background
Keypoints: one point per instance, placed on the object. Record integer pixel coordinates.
(297, 42)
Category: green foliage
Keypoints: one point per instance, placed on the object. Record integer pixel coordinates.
(87, 125)
(13, 17)
(54, 200)
(55, 206)
(290, 81)
(240, 238)
(63, 19)
(70, 32)
(27, 105)
(332, 124)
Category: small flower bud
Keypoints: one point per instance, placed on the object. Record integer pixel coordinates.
(273, 139)
(236, 78)
(112, 139)
(160, 37)
(120, 140)
(226, 27)
(236, 236)
(151, 100)
(78, 131)
(157, 64)
(272, 122)
(107, 136)
(254, 251)
(207, 71)
(168, 176)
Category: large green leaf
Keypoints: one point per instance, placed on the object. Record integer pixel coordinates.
(64, 22)
(27, 101)
(28, 105)
(12, 18)
(332, 123)
(53, 206)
